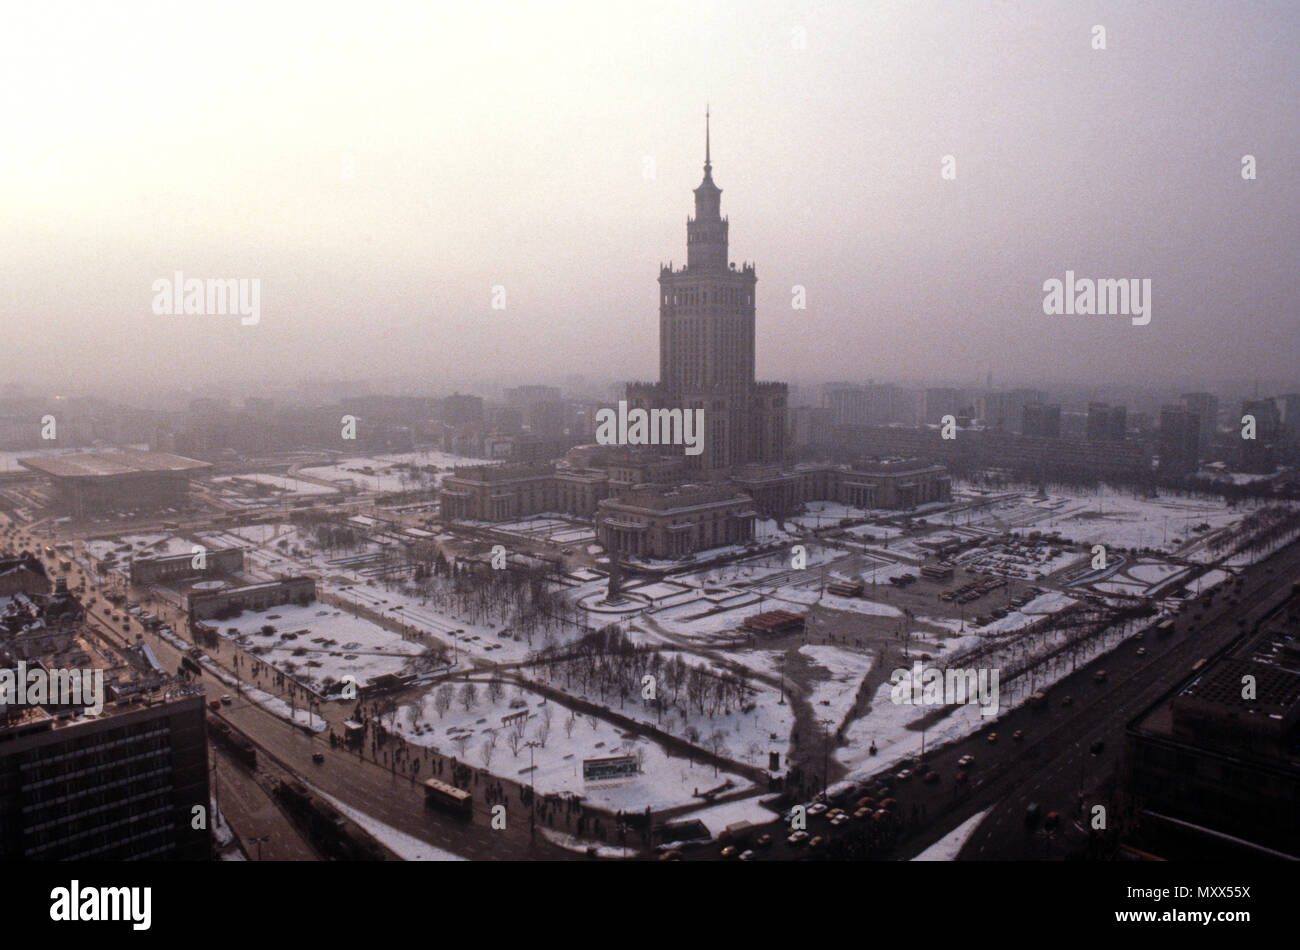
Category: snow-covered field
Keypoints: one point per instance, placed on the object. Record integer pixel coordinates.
(279, 483)
(327, 643)
(480, 736)
(395, 472)
(834, 696)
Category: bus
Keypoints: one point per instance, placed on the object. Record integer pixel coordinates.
(448, 797)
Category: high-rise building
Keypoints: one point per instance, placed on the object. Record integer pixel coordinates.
(1260, 453)
(1041, 421)
(706, 345)
(1106, 423)
(874, 404)
(1206, 407)
(945, 402)
(1180, 436)
(112, 777)
(460, 409)
(1291, 421)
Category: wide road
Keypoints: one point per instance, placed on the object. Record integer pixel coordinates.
(1054, 760)
(1051, 771)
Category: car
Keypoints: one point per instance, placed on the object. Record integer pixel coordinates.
(747, 855)
(226, 700)
(797, 837)
(730, 852)
(839, 820)
(1018, 735)
(1142, 651)
(930, 777)
(834, 813)
(673, 855)
(1100, 676)
(960, 778)
(966, 761)
(903, 775)
(1067, 701)
(1032, 813)
(862, 813)
(992, 738)
(763, 841)
(817, 842)
(817, 808)
(318, 757)
(1052, 820)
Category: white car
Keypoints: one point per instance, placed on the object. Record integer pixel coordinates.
(966, 761)
(817, 808)
(903, 775)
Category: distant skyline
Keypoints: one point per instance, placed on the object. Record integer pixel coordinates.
(380, 172)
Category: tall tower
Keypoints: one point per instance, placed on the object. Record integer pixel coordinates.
(706, 342)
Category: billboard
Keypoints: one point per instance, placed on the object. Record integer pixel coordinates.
(609, 767)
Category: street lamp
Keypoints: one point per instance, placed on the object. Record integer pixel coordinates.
(258, 841)
(532, 745)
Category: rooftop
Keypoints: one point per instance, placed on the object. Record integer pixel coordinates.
(88, 465)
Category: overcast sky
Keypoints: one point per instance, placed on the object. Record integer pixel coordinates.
(552, 148)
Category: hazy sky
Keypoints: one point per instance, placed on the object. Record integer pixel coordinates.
(509, 144)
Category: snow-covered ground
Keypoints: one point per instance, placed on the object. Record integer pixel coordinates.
(834, 696)
(279, 483)
(399, 842)
(948, 847)
(481, 735)
(327, 643)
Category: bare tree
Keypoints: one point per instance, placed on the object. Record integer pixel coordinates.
(717, 742)
(442, 699)
(468, 696)
(488, 747)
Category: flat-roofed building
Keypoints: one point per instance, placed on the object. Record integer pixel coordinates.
(656, 521)
(185, 567)
(893, 483)
(202, 604)
(1214, 762)
(109, 759)
(497, 492)
(122, 478)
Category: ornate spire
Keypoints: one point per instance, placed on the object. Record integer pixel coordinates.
(707, 163)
